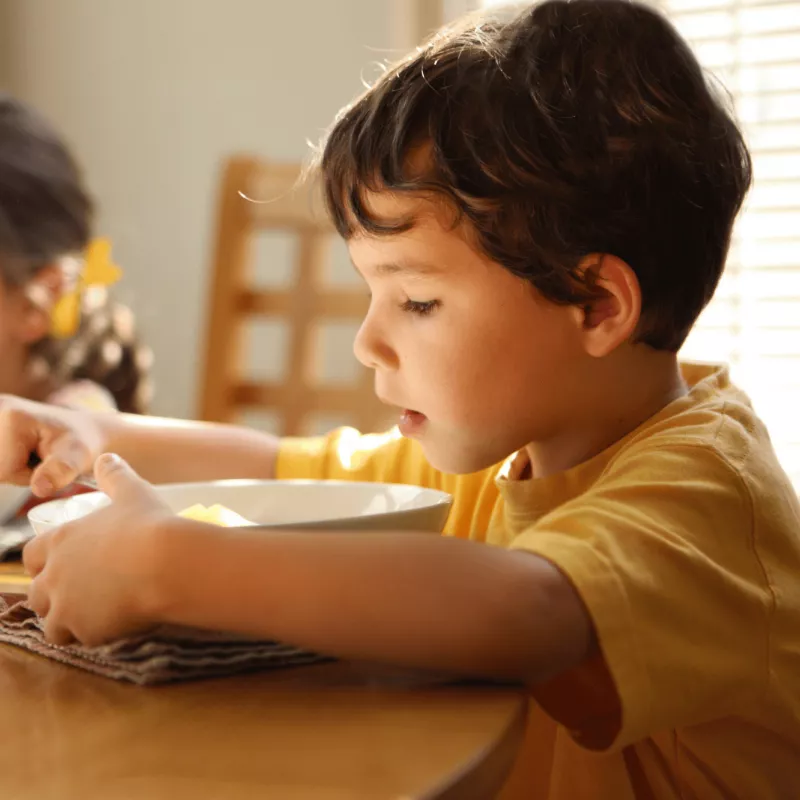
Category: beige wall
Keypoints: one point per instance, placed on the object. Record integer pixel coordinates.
(5, 52)
(152, 93)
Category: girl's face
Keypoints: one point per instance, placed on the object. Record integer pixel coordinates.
(25, 313)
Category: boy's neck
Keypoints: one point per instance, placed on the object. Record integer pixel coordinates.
(626, 395)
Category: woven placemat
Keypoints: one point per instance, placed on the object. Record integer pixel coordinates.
(164, 655)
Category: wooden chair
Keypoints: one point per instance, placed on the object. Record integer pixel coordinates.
(282, 204)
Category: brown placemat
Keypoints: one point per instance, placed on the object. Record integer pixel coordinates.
(164, 655)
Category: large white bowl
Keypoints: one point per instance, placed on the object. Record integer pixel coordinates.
(329, 505)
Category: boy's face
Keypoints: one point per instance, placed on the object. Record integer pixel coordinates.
(476, 361)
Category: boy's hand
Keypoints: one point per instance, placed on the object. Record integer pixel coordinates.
(67, 442)
(94, 579)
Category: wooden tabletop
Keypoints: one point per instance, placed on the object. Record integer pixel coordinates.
(12, 577)
(327, 732)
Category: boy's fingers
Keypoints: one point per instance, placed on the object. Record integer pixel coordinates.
(34, 554)
(17, 471)
(38, 599)
(119, 481)
(57, 471)
(65, 459)
(19, 436)
(55, 633)
(62, 457)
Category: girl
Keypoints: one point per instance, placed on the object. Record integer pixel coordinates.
(95, 362)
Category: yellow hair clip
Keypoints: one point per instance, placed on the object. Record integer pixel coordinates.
(96, 269)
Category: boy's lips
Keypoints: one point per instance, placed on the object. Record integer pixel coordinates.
(411, 422)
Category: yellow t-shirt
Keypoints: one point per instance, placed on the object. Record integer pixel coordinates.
(683, 540)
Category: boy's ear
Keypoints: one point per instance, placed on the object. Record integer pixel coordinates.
(39, 296)
(611, 319)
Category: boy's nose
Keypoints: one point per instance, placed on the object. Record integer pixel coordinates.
(372, 349)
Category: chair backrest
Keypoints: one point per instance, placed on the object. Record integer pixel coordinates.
(280, 202)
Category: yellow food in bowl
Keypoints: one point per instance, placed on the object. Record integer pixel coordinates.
(215, 515)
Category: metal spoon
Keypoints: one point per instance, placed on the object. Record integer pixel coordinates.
(82, 480)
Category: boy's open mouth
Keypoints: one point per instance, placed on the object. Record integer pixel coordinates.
(411, 422)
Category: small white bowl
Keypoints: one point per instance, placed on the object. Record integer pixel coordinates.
(328, 505)
(12, 498)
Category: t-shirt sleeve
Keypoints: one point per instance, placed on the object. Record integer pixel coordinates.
(662, 552)
(84, 395)
(346, 454)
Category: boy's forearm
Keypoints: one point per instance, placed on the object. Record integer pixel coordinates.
(168, 450)
(414, 600)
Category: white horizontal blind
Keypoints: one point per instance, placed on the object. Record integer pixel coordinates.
(753, 48)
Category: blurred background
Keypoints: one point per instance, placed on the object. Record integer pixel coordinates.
(156, 95)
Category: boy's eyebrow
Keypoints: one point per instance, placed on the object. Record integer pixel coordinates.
(397, 267)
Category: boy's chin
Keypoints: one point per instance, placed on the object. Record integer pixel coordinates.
(459, 460)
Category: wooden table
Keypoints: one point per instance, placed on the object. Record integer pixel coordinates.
(324, 732)
(12, 577)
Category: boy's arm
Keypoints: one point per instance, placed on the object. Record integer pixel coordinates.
(162, 450)
(416, 600)
(169, 450)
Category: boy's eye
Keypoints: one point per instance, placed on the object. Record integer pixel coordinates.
(422, 308)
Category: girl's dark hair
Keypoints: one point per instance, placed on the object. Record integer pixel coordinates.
(573, 127)
(46, 214)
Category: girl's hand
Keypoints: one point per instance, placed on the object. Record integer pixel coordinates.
(96, 579)
(66, 442)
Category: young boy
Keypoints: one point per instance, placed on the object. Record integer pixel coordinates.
(541, 206)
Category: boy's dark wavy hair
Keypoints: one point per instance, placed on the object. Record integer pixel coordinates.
(45, 214)
(573, 127)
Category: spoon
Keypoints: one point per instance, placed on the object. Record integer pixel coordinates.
(82, 480)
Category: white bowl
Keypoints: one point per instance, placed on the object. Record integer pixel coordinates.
(329, 505)
(12, 499)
